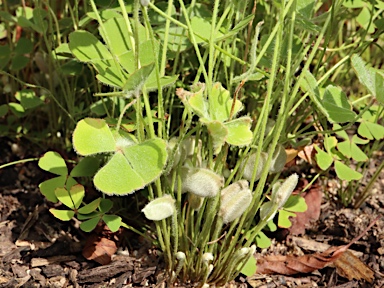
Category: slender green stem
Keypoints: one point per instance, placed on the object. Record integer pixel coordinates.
(18, 162)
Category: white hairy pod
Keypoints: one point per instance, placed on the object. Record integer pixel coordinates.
(235, 199)
(160, 208)
(279, 159)
(250, 166)
(203, 182)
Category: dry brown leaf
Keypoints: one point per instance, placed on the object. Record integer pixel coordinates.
(291, 154)
(350, 267)
(307, 153)
(303, 219)
(289, 265)
(99, 249)
(101, 244)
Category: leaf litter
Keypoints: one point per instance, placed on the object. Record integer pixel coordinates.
(348, 265)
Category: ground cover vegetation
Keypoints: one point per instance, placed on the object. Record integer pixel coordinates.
(207, 111)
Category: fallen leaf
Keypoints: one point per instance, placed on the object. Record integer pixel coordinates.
(101, 244)
(307, 153)
(347, 265)
(99, 249)
(290, 265)
(291, 154)
(303, 219)
(350, 267)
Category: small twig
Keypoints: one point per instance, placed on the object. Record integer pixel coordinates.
(217, 240)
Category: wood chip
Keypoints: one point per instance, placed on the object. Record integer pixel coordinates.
(102, 273)
(36, 262)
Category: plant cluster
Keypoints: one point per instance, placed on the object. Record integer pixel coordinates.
(209, 157)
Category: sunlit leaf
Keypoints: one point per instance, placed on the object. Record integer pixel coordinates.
(336, 104)
(64, 197)
(262, 241)
(323, 159)
(283, 218)
(249, 267)
(295, 203)
(370, 77)
(63, 215)
(132, 167)
(54, 163)
(346, 173)
(92, 136)
(371, 130)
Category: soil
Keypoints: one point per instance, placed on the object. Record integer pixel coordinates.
(37, 250)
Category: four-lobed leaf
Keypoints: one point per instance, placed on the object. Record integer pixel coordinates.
(217, 113)
(131, 165)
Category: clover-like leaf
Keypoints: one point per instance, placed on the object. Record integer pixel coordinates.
(132, 168)
(221, 103)
(87, 48)
(370, 77)
(63, 215)
(92, 136)
(77, 194)
(219, 134)
(90, 207)
(350, 150)
(262, 241)
(105, 205)
(137, 79)
(196, 100)
(296, 203)
(113, 222)
(54, 163)
(323, 159)
(239, 131)
(89, 225)
(63, 195)
(346, 173)
(48, 187)
(371, 130)
(336, 105)
(249, 268)
(86, 167)
(283, 218)
(93, 214)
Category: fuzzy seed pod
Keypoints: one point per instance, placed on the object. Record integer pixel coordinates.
(180, 256)
(160, 208)
(233, 188)
(250, 166)
(203, 182)
(234, 201)
(207, 257)
(281, 195)
(279, 159)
